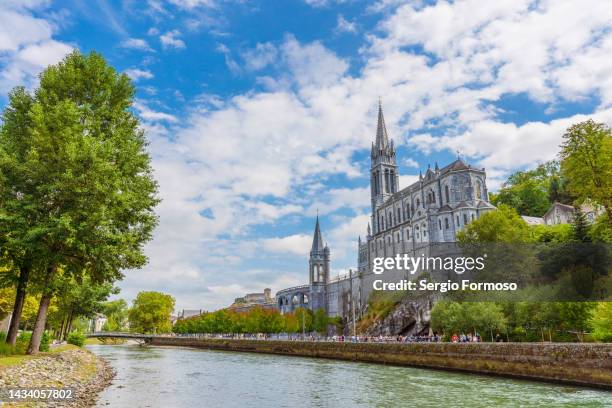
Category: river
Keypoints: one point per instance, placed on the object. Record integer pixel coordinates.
(180, 377)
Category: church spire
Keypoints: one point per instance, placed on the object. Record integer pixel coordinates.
(317, 240)
(382, 138)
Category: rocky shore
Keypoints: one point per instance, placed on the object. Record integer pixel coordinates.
(76, 369)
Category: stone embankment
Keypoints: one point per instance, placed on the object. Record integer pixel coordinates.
(75, 369)
(582, 364)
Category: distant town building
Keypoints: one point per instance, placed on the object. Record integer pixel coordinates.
(97, 323)
(533, 220)
(250, 300)
(187, 313)
(564, 214)
(6, 322)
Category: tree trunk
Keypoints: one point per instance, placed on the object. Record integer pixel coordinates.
(39, 326)
(68, 325)
(41, 317)
(60, 334)
(20, 295)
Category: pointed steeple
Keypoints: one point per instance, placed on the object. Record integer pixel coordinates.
(317, 240)
(382, 138)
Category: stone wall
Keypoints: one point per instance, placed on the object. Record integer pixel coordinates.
(568, 363)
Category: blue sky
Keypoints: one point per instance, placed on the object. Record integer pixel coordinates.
(259, 113)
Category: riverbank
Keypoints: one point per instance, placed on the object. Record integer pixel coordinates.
(579, 364)
(66, 368)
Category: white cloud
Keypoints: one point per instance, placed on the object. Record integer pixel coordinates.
(136, 44)
(410, 162)
(345, 26)
(135, 74)
(170, 40)
(263, 55)
(149, 115)
(192, 4)
(26, 44)
(298, 244)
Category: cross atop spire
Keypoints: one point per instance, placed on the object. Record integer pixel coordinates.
(382, 138)
(317, 240)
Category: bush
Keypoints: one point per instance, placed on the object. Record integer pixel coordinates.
(23, 340)
(76, 338)
(5, 349)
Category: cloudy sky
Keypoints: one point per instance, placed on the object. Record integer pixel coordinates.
(261, 112)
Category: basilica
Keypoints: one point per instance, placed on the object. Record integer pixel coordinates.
(421, 218)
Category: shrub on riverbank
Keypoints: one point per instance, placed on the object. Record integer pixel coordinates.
(76, 338)
(24, 339)
(5, 349)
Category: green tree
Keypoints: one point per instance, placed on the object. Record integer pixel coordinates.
(17, 249)
(320, 321)
(586, 162)
(151, 312)
(503, 225)
(532, 192)
(601, 322)
(116, 312)
(90, 193)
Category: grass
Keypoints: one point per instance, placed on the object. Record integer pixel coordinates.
(13, 360)
(63, 347)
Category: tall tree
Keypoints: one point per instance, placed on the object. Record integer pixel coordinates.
(586, 162)
(16, 249)
(151, 312)
(90, 190)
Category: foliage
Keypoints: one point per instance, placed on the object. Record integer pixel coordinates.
(532, 192)
(81, 194)
(556, 233)
(150, 313)
(601, 322)
(503, 225)
(586, 162)
(601, 230)
(255, 320)
(77, 338)
(24, 339)
(469, 317)
(6, 349)
(116, 312)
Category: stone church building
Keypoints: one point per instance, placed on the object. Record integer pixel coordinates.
(419, 219)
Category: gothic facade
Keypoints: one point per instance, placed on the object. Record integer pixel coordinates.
(413, 220)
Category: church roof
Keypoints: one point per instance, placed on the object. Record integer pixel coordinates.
(485, 204)
(456, 165)
(462, 204)
(382, 138)
(317, 240)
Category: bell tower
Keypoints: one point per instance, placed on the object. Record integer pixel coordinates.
(384, 174)
(318, 266)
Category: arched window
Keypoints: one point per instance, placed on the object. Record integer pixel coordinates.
(478, 190)
(407, 234)
(418, 202)
(386, 181)
(458, 223)
(447, 194)
(465, 219)
(440, 224)
(473, 217)
(446, 224)
(399, 215)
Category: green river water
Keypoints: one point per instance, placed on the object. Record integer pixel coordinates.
(180, 377)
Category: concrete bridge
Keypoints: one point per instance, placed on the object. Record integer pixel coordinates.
(141, 337)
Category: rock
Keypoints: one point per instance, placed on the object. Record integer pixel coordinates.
(410, 317)
(77, 369)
